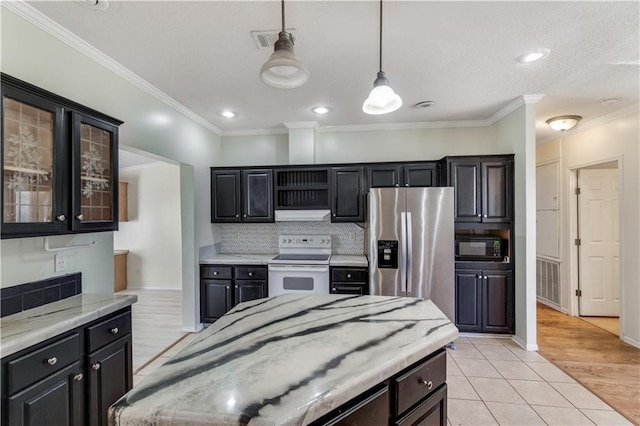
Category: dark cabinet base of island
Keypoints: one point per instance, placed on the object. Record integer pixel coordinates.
(415, 396)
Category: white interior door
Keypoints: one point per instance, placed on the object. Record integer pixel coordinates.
(600, 242)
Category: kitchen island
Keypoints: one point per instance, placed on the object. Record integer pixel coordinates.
(295, 359)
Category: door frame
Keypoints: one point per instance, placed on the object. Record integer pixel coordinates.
(573, 233)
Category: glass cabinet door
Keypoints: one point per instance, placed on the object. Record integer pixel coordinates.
(32, 198)
(95, 169)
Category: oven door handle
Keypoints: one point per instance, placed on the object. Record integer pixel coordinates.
(300, 268)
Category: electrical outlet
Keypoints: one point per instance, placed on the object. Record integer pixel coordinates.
(60, 261)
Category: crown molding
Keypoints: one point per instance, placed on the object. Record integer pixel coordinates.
(301, 125)
(255, 132)
(30, 14)
(514, 105)
(596, 122)
(402, 126)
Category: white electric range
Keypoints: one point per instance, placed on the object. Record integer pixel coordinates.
(302, 265)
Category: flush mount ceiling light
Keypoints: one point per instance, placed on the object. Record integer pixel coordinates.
(228, 114)
(563, 122)
(320, 110)
(382, 99)
(283, 70)
(536, 55)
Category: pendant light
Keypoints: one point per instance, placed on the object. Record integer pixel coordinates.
(283, 70)
(382, 99)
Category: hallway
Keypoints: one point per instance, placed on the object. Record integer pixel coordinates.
(597, 359)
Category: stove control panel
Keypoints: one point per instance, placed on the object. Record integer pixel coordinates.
(305, 241)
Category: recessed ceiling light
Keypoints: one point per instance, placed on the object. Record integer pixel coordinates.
(424, 104)
(320, 110)
(228, 114)
(536, 55)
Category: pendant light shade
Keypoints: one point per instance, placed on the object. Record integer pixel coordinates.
(382, 99)
(283, 70)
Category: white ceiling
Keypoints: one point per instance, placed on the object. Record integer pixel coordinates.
(462, 55)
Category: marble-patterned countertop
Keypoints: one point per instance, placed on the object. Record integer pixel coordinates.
(286, 360)
(263, 259)
(26, 328)
(348, 260)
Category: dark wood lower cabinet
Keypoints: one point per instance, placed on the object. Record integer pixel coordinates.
(417, 396)
(246, 290)
(63, 383)
(216, 299)
(484, 300)
(349, 280)
(110, 377)
(57, 400)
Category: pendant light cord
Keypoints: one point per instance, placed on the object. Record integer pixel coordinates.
(380, 35)
(282, 15)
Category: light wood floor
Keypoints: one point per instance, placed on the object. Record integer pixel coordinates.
(157, 323)
(599, 360)
(610, 324)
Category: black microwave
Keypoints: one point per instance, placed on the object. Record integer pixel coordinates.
(479, 247)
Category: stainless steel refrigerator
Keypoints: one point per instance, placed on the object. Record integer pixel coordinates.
(411, 247)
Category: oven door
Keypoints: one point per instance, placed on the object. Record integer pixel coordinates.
(310, 279)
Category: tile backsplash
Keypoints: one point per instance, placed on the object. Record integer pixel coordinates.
(262, 238)
(37, 293)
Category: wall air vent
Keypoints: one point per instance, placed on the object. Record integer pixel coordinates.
(266, 39)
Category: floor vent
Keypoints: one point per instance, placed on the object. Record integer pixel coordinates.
(266, 39)
(548, 280)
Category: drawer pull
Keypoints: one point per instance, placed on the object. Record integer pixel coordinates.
(348, 275)
(428, 384)
(96, 366)
(250, 274)
(114, 330)
(78, 377)
(215, 272)
(52, 360)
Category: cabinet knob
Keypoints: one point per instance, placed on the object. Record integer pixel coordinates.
(428, 384)
(80, 217)
(52, 361)
(114, 330)
(237, 215)
(485, 277)
(334, 289)
(96, 366)
(485, 215)
(78, 377)
(215, 272)
(334, 215)
(479, 215)
(406, 184)
(479, 277)
(348, 275)
(397, 184)
(228, 287)
(61, 218)
(250, 274)
(245, 215)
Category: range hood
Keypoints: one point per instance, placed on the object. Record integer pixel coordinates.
(303, 215)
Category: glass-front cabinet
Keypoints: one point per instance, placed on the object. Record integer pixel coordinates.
(59, 164)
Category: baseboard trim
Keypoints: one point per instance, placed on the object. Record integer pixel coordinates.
(486, 335)
(551, 305)
(526, 346)
(153, 288)
(630, 341)
(195, 329)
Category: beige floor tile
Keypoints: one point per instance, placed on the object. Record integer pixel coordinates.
(461, 340)
(465, 350)
(562, 416)
(514, 414)
(497, 352)
(606, 418)
(465, 412)
(495, 390)
(452, 367)
(515, 370)
(458, 387)
(550, 372)
(579, 396)
(539, 393)
(479, 340)
(526, 355)
(477, 368)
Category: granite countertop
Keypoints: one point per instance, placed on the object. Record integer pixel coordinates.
(263, 259)
(26, 328)
(287, 359)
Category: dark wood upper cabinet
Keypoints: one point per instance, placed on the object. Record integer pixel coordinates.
(483, 188)
(257, 195)
(347, 201)
(383, 175)
(42, 134)
(424, 174)
(225, 196)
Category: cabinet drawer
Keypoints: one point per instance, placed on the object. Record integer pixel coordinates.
(374, 410)
(420, 382)
(108, 331)
(42, 362)
(349, 288)
(432, 411)
(251, 273)
(349, 275)
(216, 272)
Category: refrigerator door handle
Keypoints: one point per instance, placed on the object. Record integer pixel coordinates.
(409, 237)
(402, 260)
